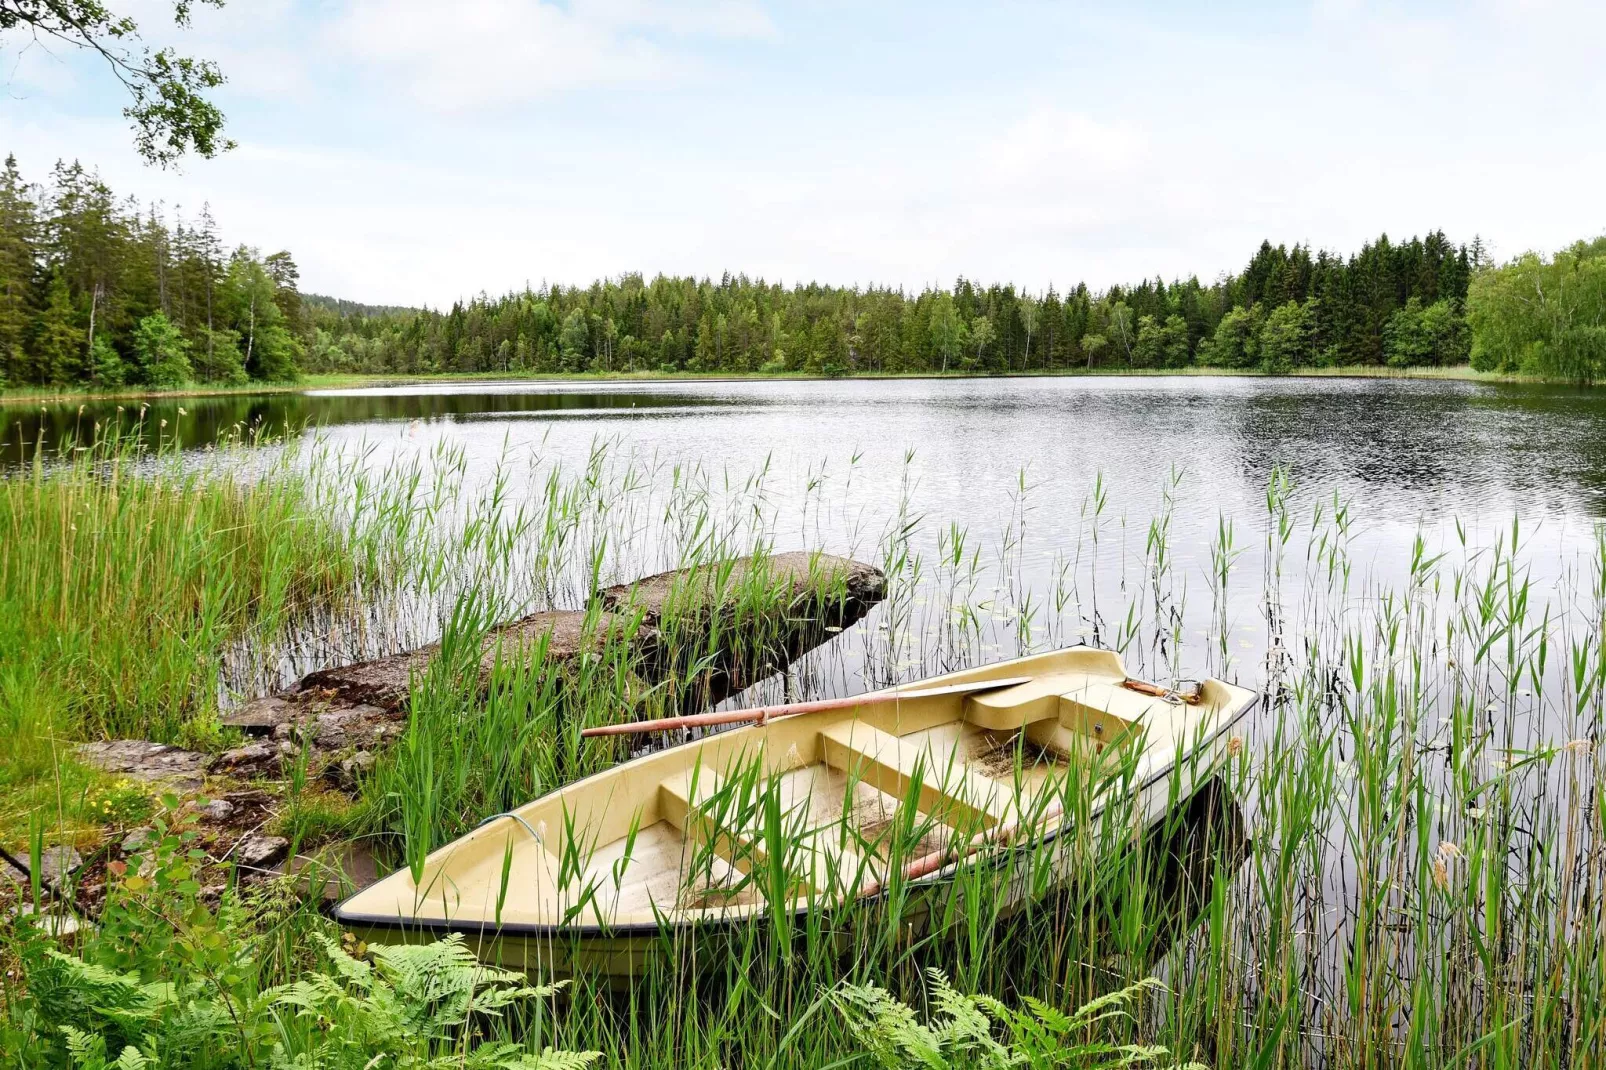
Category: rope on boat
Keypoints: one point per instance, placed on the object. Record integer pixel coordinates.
(515, 817)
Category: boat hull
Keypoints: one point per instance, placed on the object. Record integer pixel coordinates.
(1011, 876)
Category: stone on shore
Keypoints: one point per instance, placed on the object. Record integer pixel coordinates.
(184, 770)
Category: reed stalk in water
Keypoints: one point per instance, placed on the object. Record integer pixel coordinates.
(1402, 864)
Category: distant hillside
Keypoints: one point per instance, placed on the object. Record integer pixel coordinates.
(346, 309)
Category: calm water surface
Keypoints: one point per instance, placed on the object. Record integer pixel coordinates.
(1403, 450)
(1015, 463)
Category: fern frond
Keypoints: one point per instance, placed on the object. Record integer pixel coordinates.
(85, 1049)
(1051, 1017)
(1111, 1004)
(352, 971)
(132, 1059)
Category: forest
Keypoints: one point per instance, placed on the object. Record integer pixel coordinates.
(98, 292)
(1400, 304)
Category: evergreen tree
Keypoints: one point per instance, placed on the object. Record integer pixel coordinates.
(107, 369)
(217, 359)
(58, 343)
(18, 266)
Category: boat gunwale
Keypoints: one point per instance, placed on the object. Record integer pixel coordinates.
(728, 921)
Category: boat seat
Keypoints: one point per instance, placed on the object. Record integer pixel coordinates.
(1105, 711)
(808, 861)
(949, 790)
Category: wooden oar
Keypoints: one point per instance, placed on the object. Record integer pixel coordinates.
(997, 836)
(761, 714)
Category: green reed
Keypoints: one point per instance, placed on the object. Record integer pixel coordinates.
(124, 577)
(1402, 864)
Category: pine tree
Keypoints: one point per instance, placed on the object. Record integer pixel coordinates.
(107, 369)
(58, 342)
(18, 235)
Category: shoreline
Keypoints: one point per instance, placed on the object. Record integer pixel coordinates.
(336, 381)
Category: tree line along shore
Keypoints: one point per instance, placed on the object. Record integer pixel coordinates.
(98, 293)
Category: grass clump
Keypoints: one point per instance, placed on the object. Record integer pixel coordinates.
(127, 577)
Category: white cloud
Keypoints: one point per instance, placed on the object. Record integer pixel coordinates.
(494, 53)
(727, 19)
(426, 157)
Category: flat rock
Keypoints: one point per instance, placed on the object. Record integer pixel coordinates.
(821, 588)
(260, 716)
(332, 729)
(359, 708)
(348, 772)
(56, 864)
(799, 574)
(383, 682)
(216, 810)
(257, 851)
(254, 759)
(53, 921)
(144, 760)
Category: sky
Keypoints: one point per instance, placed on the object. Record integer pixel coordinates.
(415, 152)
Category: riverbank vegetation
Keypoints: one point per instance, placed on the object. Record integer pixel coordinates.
(1543, 315)
(1396, 304)
(1422, 795)
(98, 293)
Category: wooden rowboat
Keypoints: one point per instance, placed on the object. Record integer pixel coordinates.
(898, 788)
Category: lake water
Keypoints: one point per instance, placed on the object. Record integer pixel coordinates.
(1404, 449)
(1016, 464)
(1039, 512)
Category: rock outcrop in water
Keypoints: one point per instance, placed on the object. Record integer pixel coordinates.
(738, 620)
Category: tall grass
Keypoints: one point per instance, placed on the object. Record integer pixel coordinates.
(1402, 865)
(126, 577)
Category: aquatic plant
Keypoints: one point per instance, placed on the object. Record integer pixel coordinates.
(1402, 864)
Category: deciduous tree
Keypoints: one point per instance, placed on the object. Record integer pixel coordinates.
(169, 105)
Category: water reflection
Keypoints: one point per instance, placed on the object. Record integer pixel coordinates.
(194, 422)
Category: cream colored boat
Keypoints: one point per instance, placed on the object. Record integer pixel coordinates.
(898, 792)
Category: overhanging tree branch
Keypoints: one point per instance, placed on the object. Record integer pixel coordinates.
(170, 110)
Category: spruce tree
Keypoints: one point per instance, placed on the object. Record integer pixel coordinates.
(58, 342)
(18, 235)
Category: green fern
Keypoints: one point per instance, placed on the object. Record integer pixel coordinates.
(963, 1030)
(419, 1007)
(412, 1007)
